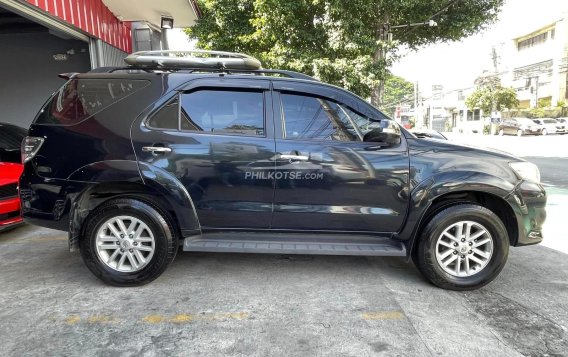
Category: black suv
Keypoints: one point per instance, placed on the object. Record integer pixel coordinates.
(136, 162)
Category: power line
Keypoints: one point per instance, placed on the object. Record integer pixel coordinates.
(410, 29)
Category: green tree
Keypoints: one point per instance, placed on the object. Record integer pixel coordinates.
(337, 41)
(397, 91)
(495, 97)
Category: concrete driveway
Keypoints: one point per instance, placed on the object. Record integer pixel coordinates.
(270, 305)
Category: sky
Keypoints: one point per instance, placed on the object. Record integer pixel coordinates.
(455, 65)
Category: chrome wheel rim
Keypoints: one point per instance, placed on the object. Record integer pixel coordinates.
(125, 244)
(464, 248)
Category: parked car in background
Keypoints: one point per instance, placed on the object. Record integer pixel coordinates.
(562, 126)
(548, 125)
(519, 127)
(11, 168)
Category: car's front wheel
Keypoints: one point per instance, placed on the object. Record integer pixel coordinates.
(463, 247)
(128, 242)
(544, 132)
(501, 132)
(519, 132)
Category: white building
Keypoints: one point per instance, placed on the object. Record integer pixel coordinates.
(537, 65)
(446, 110)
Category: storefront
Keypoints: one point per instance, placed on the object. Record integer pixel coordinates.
(40, 39)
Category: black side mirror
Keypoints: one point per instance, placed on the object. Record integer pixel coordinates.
(383, 137)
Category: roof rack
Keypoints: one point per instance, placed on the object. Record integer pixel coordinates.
(258, 72)
(193, 59)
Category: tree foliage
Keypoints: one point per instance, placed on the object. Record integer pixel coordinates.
(397, 91)
(496, 97)
(336, 41)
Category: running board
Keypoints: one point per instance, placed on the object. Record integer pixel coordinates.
(282, 243)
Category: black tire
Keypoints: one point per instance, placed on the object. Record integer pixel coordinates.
(425, 259)
(166, 241)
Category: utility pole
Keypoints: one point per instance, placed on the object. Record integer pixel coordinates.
(382, 37)
(416, 103)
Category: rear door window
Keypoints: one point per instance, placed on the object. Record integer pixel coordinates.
(223, 112)
(79, 99)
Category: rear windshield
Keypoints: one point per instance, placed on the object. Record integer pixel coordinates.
(79, 99)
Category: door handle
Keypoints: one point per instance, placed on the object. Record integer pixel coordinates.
(156, 149)
(294, 157)
(374, 147)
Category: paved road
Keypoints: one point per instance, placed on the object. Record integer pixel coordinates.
(553, 170)
(270, 305)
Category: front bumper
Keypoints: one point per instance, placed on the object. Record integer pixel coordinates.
(528, 201)
(10, 213)
(532, 131)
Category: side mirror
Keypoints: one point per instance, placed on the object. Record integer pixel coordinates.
(383, 137)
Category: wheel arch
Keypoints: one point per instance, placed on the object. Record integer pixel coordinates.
(491, 201)
(183, 215)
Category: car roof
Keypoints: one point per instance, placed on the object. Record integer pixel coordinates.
(180, 77)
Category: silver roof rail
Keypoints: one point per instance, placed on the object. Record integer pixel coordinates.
(193, 59)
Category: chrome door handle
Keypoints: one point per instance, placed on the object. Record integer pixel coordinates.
(156, 149)
(294, 157)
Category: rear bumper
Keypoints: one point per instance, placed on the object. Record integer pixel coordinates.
(46, 202)
(528, 201)
(10, 213)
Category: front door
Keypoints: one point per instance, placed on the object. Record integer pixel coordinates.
(216, 134)
(327, 177)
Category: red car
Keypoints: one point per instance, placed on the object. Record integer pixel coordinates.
(11, 168)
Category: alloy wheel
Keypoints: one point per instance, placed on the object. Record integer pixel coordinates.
(125, 243)
(464, 248)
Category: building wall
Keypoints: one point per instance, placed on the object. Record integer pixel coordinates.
(91, 16)
(29, 72)
(106, 55)
(539, 70)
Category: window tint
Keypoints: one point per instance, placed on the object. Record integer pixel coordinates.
(166, 117)
(316, 118)
(79, 99)
(217, 111)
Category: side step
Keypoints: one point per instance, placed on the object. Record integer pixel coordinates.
(283, 243)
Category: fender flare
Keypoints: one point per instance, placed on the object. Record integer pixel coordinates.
(104, 180)
(458, 182)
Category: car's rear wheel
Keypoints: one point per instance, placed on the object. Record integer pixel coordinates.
(501, 132)
(519, 132)
(463, 247)
(128, 242)
(544, 132)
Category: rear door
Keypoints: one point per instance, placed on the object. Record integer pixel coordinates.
(327, 178)
(512, 126)
(216, 132)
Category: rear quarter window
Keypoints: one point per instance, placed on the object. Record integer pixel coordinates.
(79, 99)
